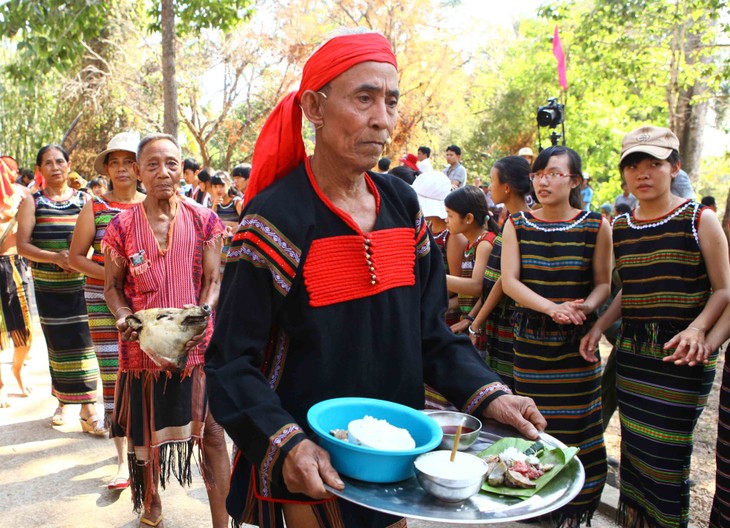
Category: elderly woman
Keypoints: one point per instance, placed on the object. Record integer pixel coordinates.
(116, 162)
(332, 290)
(45, 225)
(164, 253)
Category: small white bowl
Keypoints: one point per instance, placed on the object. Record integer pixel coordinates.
(450, 481)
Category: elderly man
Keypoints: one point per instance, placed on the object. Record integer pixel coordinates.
(164, 253)
(332, 289)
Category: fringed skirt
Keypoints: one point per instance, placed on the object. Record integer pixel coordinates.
(162, 416)
(245, 506)
(499, 340)
(71, 357)
(567, 390)
(15, 325)
(720, 517)
(105, 337)
(659, 404)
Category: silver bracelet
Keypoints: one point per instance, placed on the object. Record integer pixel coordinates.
(122, 308)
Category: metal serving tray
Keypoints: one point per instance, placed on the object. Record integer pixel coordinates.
(408, 499)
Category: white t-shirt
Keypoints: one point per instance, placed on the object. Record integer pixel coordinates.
(424, 165)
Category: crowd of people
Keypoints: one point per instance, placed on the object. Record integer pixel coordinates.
(336, 275)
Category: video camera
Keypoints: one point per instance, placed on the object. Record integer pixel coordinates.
(551, 115)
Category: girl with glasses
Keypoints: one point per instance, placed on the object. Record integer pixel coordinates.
(556, 265)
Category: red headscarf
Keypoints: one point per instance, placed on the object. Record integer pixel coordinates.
(279, 148)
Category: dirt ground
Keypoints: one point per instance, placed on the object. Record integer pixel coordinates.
(702, 471)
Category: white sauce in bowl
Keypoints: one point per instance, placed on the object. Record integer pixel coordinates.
(438, 464)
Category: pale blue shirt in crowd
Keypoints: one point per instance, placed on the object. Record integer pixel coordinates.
(682, 186)
(456, 173)
(587, 197)
(629, 200)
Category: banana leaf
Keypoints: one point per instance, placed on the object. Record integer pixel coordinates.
(555, 455)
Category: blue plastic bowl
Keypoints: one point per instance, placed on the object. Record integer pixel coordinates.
(366, 463)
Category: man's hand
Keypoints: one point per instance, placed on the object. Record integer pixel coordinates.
(307, 468)
(519, 412)
(125, 332)
(196, 339)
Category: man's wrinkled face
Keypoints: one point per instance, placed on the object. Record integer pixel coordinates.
(159, 168)
(359, 109)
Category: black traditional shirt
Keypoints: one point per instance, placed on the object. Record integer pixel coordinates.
(313, 308)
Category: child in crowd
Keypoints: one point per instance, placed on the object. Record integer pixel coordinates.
(672, 258)
(467, 213)
(556, 265)
(227, 207)
(510, 186)
(432, 189)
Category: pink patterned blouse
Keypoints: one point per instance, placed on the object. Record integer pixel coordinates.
(157, 278)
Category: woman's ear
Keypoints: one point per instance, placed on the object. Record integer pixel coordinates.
(311, 104)
(469, 218)
(676, 168)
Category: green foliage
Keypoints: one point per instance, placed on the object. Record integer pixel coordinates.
(50, 35)
(195, 15)
(620, 55)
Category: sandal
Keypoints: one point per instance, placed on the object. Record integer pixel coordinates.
(58, 416)
(93, 425)
(118, 483)
(147, 522)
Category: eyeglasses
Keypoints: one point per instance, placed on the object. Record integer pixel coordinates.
(551, 176)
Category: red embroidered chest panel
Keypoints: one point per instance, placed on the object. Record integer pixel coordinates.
(344, 268)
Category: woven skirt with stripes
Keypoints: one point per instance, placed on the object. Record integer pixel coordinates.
(15, 325)
(567, 390)
(105, 337)
(659, 405)
(720, 516)
(162, 415)
(499, 340)
(71, 357)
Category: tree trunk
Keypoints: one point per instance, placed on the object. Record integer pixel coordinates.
(168, 68)
(690, 112)
(692, 138)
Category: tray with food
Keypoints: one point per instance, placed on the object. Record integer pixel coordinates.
(536, 478)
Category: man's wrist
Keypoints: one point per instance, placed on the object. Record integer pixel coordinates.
(116, 312)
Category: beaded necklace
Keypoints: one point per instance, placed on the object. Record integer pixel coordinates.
(554, 229)
(58, 204)
(667, 218)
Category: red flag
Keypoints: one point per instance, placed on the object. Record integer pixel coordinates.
(558, 52)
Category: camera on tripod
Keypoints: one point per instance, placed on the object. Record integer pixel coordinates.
(550, 116)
